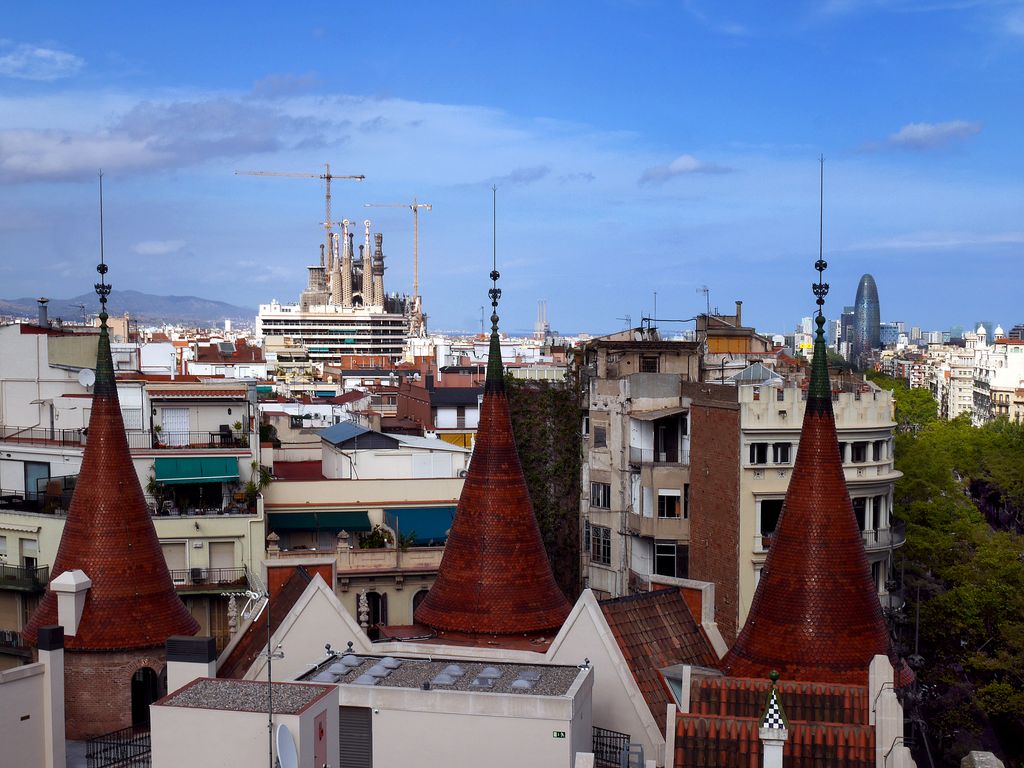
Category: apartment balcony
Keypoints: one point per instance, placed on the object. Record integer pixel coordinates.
(668, 528)
(24, 579)
(169, 507)
(138, 440)
(209, 579)
(641, 456)
(874, 541)
(13, 644)
(224, 439)
(366, 561)
(885, 538)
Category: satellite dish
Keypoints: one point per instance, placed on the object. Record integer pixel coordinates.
(286, 753)
(87, 377)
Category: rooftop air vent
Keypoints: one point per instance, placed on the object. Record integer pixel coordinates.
(365, 680)
(442, 679)
(521, 685)
(389, 662)
(454, 670)
(489, 673)
(481, 682)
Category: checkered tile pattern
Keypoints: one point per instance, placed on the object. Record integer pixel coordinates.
(772, 717)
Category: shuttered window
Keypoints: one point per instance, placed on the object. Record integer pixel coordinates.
(355, 733)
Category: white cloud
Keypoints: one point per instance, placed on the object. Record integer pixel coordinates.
(681, 166)
(918, 241)
(925, 136)
(30, 62)
(158, 247)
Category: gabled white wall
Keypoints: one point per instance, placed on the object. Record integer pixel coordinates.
(618, 703)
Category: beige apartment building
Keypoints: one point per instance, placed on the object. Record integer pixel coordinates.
(770, 419)
(683, 478)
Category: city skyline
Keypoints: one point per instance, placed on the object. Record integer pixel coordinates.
(677, 137)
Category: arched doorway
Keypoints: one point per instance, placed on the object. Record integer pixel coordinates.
(145, 690)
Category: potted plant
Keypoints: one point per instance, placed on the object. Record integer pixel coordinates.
(157, 442)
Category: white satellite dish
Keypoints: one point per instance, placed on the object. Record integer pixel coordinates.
(286, 753)
(87, 377)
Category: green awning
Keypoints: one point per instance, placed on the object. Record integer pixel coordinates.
(429, 524)
(354, 522)
(193, 469)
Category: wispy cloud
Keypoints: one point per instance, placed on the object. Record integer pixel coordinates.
(681, 166)
(31, 62)
(281, 86)
(925, 136)
(152, 135)
(520, 176)
(158, 247)
(921, 241)
(730, 28)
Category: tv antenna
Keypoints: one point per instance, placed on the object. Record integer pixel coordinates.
(628, 320)
(707, 299)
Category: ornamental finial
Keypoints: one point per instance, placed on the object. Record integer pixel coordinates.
(102, 287)
(821, 288)
(495, 291)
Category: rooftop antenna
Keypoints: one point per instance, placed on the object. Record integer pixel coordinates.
(707, 299)
(628, 320)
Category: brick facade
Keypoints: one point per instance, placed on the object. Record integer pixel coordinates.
(714, 506)
(98, 689)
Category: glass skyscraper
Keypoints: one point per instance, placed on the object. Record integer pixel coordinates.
(865, 320)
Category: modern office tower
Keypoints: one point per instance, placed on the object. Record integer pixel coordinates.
(866, 319)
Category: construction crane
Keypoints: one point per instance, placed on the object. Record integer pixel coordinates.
(327, 176)
(415, 206)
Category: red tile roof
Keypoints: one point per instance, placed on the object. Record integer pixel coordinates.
(495, 577)
(109, 534)
(828, 724)
(815, 615)
(656, 630)
(193, 394)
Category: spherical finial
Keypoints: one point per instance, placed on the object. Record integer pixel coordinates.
(495, 274)
(773, 676)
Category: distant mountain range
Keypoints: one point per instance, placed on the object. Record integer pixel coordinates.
(144, 307)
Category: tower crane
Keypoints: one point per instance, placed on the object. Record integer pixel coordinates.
(327, 176)
(415, 206)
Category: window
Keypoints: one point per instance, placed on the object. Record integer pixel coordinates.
(780, 394)
(780, 453)
(671, 559)
(860, 510)
(858, 452)
(600, 437)
(878, 450)
(771, 509)
(686, 501)
(586, 426)
(460, 417)
(648, 364)
(601, 544)
(3, 547)
(757, 393)
(842, 452)
(759, 453)
(586, 535)
(296, 422)
(668, 503)
(601, 495)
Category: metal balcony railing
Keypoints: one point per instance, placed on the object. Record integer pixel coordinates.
(11, 639)
(609, 747)
(166, 507)
(37, 436)
(651, 456)
(188, 440)
(203, 577)
(27, 579)
(128, 746)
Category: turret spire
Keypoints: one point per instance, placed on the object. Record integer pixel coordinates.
(495, 577)
(815, 615)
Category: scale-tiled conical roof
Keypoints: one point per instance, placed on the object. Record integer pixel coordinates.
(495, 577)
(815, 614)
(109, 534)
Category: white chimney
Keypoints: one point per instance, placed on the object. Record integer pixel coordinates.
(71, 588)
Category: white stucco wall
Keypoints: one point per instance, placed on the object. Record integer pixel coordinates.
(22, 731)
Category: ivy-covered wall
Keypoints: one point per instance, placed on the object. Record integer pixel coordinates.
(546, 421)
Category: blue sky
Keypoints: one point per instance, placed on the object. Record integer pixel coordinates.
(637, 147)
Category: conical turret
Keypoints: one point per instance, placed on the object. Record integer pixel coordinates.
(815, 615)
(110, 536)
(495, 577)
